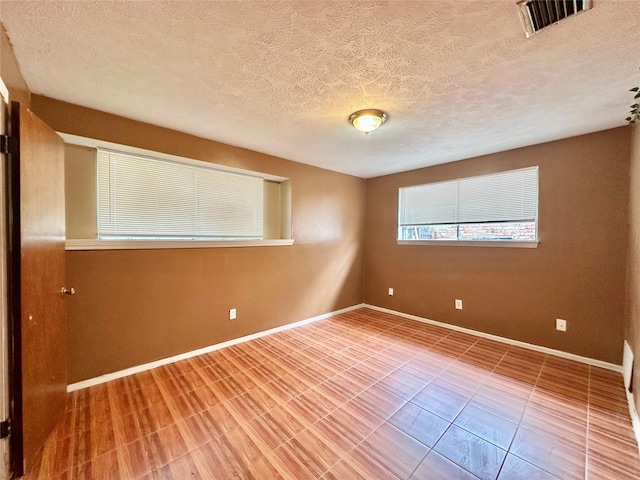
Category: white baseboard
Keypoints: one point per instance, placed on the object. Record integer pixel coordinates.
(509, 341)
(627, 372)
(635, 420)
(166, 361)
(183, 356)
(627, 364)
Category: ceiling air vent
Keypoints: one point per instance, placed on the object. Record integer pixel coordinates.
(538, 14)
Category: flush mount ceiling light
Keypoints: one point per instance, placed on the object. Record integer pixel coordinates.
(367, 120)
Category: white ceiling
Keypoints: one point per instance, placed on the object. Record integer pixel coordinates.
(458, 78)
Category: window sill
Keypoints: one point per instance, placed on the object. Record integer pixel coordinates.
(93, 244)
(457, 243)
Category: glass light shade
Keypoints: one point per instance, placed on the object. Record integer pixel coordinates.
(367, 120)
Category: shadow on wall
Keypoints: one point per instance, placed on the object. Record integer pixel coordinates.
(325, 290)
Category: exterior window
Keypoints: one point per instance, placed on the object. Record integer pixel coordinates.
(496, 207)
(141, 198)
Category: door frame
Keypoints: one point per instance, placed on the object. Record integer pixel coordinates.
(5, 450)
(14, 292)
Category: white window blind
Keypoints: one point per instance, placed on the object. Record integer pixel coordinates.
(140, 197)
(509, 197)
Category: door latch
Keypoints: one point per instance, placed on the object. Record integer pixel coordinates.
(67, 291)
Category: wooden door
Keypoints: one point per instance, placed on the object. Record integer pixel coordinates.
(37, 270)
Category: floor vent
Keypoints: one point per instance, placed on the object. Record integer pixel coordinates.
(538, 14)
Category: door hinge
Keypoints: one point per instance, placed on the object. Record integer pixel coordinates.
(5, 429)
(8, 145)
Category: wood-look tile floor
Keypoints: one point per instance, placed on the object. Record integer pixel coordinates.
(362, 395)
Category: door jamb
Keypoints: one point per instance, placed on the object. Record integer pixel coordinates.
(6, 469)
(14, 310)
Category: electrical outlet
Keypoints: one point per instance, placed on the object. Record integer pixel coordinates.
(391, 292)
(458, 304)
(232, 314)
(561, 325)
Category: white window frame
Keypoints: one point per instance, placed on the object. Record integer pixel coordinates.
(96, 244)
(147, 198)
(452, 211)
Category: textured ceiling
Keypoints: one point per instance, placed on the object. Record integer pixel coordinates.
(457, 77)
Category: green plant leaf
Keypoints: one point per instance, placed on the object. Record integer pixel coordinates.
(628, 119)
(637, 95)
(634, 89)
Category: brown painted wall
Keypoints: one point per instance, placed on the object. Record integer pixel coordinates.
(137, 306)
(576, 273)
(133, 307)
(632, 330)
